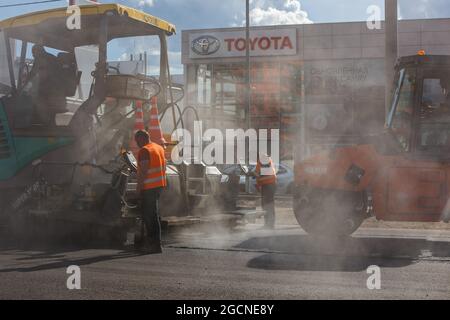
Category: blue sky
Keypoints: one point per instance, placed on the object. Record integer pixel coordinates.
(197, 14)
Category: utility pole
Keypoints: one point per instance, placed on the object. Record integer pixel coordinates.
(248, 89)
(247, 62)
(391, 29)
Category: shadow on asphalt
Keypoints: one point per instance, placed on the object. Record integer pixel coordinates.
(322, 263)
(307, 253)
(64, 263)
(59, 254)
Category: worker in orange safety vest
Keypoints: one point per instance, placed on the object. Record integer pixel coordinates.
(266, 182)
(151, 181)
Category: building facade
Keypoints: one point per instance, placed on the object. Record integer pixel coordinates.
(322, 85)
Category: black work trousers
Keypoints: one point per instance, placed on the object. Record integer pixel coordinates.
(150, 215)
(268, 204)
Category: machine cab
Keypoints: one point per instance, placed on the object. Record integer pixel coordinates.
(419, 125)
(39, 117)
(419, 117)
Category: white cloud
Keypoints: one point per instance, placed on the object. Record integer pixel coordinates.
(145, 3)
(124, 57)
(290, 13)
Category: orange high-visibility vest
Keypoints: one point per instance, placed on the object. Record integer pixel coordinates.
(262, 180)
(156, 174)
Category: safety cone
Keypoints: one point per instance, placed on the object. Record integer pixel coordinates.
(154, 128)
(138, 125)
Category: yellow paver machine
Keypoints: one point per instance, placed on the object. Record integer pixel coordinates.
(61, 166)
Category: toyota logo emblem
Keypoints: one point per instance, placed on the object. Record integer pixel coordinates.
(205, 45)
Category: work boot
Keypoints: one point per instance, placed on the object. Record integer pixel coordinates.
(151, 248)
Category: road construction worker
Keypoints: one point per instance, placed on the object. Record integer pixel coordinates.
(43, 63)
(151, 180)
(266, 182)
(46, 87)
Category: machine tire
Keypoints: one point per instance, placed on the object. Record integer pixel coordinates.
(328, 213)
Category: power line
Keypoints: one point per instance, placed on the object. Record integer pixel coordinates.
(27, 3)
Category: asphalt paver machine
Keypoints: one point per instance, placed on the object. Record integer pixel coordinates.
(63, 168)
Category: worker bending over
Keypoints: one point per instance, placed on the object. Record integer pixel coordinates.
(151, 180)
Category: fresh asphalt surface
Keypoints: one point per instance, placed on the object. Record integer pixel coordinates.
(246, 263)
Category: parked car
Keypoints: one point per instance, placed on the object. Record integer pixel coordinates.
(285, 178)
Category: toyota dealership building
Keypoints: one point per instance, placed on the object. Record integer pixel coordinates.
(319, 83)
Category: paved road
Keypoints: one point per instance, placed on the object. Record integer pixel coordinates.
(248, 263)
